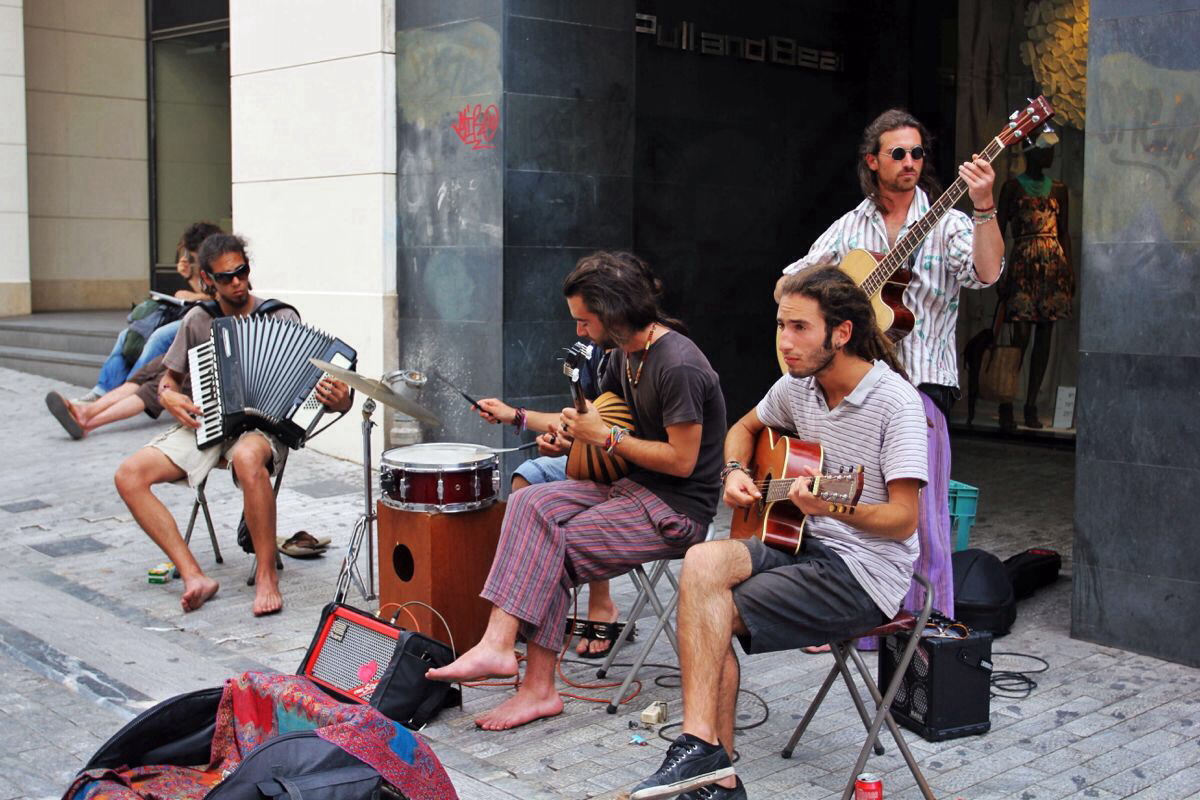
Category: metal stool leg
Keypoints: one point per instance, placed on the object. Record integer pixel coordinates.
(634, 613)
(812, 712)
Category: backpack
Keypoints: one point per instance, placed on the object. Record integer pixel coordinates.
(983, 594)
(145, 318)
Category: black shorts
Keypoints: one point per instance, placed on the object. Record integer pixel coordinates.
(796, 601)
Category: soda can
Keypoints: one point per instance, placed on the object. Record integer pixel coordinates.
(868, 786)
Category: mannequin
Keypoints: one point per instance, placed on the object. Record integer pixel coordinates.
(1039, 283)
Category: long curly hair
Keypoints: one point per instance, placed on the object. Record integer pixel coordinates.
(890, 120)
(622, 290)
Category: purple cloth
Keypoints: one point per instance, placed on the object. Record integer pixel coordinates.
(933, 525)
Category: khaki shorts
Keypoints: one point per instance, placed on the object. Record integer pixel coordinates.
(179, 445)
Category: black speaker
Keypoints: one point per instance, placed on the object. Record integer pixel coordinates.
(945, 693)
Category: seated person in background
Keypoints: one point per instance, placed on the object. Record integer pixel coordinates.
(174, 455)
(600, 630)
(116, 369)
(558, 535)
(844, 389)
(137, 395)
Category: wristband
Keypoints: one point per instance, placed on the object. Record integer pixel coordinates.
(732, 466)
(985, 210)
(519, 419)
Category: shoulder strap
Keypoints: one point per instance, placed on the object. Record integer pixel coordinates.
(212, 307)
(271, 305)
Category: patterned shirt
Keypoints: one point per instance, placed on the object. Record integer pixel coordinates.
(942, 265)
(881, 425)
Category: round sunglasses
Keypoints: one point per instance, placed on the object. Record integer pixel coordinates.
(898, 153)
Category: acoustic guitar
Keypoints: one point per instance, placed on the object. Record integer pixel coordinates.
(589, 462)
(778, 460)
(885, 277)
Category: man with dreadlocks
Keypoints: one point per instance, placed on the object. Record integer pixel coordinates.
(960, 252)
(558, 535)
(844, 389)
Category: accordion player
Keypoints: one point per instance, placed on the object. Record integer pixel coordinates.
(254, 373)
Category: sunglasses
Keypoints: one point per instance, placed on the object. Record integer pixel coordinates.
(897, 153)
(227, 277)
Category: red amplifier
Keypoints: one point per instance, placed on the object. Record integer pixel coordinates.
(349, 653)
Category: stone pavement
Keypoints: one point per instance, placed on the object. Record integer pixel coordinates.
(85, 643)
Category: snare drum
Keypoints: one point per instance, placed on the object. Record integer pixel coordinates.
(447, 477)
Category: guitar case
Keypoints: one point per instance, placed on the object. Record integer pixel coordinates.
(1031, 570)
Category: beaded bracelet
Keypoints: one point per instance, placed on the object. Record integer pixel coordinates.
(730, 467)
(981, 219)
(519, 419)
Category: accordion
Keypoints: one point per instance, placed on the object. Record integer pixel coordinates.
(254, 373)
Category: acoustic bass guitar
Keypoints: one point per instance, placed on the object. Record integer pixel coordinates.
(885, 277)
(589, 462)
(778, 460)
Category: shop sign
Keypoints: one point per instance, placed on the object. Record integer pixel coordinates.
(780, 50)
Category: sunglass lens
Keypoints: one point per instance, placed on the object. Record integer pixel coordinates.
(918, 153)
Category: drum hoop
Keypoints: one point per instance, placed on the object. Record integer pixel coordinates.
(447, 508)
(433, 469)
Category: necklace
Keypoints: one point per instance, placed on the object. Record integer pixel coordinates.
(629, 376)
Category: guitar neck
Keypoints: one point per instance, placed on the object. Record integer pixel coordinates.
(777, 490)
(908, 245)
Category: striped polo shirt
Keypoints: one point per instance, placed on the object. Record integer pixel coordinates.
(942, 265)
(881, 425)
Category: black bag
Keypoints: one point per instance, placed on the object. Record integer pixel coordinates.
(145, 318)
(179, 731)
(1031, 570)
(404, 694)
(983, 594)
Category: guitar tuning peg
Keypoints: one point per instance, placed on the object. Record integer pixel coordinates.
(1014, 115)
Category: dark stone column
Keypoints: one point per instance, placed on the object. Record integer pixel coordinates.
(1137, 485)
(493, 212)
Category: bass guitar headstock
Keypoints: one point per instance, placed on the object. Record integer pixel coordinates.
(1024, 121)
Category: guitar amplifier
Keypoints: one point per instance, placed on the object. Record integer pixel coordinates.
(945, 693)
(349, 653)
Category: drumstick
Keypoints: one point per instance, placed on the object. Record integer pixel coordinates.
(474, 403)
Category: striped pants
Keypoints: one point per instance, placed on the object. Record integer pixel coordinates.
(934, 537)
(556, 536)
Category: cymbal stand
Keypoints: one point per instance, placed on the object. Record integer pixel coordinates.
(364, 528)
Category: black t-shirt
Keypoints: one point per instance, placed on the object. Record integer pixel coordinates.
(677, 385)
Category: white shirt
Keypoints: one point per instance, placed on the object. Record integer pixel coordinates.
(881, 425)
(942, 265)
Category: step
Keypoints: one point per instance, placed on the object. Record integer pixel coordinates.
(87, 332)
(80, 369)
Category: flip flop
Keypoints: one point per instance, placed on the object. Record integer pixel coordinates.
(815, 649)
(606, 632)
(302, 544)
(60, 407)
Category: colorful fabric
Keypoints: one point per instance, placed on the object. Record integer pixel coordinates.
(1042, 284)
(257, 707)
(934, 535)
(556, 536)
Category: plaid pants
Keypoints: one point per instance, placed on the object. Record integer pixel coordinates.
(556, 536)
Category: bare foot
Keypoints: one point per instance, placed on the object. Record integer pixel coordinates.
(267, 599)
(481, 661)
(197, 591)
(524, 706)
(815, 649)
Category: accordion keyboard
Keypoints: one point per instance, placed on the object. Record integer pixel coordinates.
(206, 391)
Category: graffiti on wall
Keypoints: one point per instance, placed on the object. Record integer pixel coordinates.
(1143, 153)
(477, 126)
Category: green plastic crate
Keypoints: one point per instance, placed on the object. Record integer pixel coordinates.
(964, 500)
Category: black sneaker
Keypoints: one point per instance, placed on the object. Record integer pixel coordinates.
(715, 792)
(690, 763)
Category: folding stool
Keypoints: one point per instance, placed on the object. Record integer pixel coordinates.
(200, 503)
(647, 586)
(844, 649)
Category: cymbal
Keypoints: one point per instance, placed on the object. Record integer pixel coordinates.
(378, 391)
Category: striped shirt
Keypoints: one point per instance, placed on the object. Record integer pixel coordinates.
(881, 425)
(942, 265)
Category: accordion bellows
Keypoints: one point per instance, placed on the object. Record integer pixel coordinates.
(254, 373)
(587, 462)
